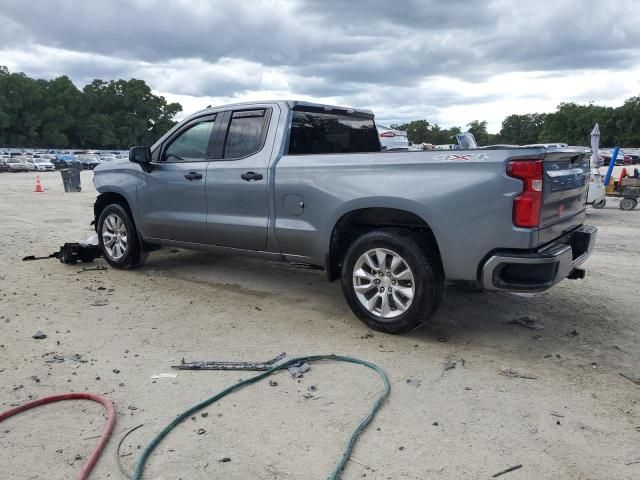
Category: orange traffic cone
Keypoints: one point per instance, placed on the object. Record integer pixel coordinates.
(38, 188)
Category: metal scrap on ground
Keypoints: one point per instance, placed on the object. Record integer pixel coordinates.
(225, 365)
(635, 380)
(510, 372)
(507, 470)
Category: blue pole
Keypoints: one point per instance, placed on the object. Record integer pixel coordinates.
(614, 156)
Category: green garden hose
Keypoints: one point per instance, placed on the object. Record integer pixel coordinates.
(335, 474)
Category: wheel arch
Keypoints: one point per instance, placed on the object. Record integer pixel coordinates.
(107, 198)
(360, 220)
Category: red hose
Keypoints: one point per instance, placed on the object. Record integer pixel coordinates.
(106, 432)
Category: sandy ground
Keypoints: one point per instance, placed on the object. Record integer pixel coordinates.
(579, 419)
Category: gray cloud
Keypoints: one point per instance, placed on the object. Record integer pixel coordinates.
(160, 31)
(366, 51)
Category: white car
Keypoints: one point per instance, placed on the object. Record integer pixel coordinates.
(391, 139)
(39, 163)
(596, 195)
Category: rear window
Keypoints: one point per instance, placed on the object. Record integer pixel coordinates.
(320, 132)
(245, 134)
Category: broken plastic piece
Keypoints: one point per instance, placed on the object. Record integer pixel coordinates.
(160, 376)
(299, 370)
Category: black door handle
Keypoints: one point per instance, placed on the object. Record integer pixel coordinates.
(193, 176)
(251, 176)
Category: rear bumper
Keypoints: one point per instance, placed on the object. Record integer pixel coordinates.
(538, 270)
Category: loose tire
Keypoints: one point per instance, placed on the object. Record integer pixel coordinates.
(600, 204)
(118, 238)
(628, 203)
(392, 280)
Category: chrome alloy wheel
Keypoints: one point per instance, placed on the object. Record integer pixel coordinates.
(383, 283)
(114, 236)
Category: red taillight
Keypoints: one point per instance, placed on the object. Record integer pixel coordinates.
(387, 134)
(527, 205)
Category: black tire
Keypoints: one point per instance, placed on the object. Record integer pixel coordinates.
(133, 255)
(628, 203)
(423, 262)
(600, 204)
(67, 258)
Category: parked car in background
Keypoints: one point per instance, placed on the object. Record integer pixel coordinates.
(40, 163)
(89, 162)
(623, 159)
(16, 164)
(547, 145)
(635, 157)
(107, 157)
(448, 146)
(66, 160)
(392, 139)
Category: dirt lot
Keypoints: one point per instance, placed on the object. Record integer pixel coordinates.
(577, 419)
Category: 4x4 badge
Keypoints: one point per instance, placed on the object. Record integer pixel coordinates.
(463, 157)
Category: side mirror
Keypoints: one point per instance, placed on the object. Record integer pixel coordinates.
(141, 155)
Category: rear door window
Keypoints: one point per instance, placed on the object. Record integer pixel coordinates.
(246, 133)
(319, 132)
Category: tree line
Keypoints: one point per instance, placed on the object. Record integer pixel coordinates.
(120, 113)
(104, 115)
(571, 123)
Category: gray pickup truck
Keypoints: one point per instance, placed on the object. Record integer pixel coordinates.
(308, 183)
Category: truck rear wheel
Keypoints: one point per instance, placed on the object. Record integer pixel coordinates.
(600, 204)
(392, 280)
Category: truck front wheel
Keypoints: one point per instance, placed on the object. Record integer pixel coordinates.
(118, 238)
(392, 280)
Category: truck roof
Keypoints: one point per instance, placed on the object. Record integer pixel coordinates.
(297, 103)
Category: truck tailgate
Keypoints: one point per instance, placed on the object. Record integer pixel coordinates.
(564, 192)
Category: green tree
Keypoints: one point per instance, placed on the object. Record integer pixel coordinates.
(627, 122)
(417, 130)
(572, 123)
(421, 131)
(479, 130)
(55, 113)
(522, 129)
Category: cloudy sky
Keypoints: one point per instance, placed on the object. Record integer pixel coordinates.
(448, 61)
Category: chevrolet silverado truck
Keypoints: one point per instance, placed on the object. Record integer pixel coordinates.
(308, 183)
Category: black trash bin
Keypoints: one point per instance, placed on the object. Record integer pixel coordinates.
(71, 179)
